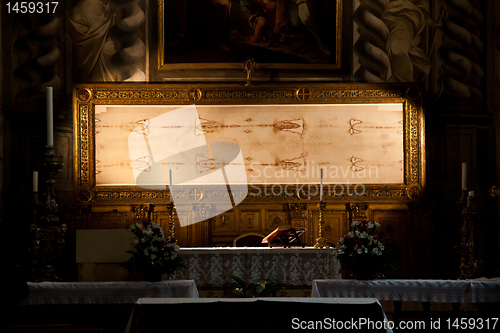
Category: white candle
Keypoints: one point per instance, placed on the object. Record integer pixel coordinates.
(170, 182)
(464, 176)
(471, 193)
(35, 181)
(321, 186)
(50, 118)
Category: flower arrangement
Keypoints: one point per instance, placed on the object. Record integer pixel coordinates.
(154, 254)
(361, 254)
(248, 290)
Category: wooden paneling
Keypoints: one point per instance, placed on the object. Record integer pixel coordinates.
(392, 232)
(335, 225)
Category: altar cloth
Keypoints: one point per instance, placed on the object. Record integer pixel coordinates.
(44, 293)
(250, 315)
(287, 266)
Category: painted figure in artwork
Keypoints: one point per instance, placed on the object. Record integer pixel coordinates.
(90, 22)
(229, 31)
(406, 21)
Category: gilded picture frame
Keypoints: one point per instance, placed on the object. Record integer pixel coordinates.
(269, 100)
(187, 34)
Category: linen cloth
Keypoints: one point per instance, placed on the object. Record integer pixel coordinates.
(106, 292)
(288, 266)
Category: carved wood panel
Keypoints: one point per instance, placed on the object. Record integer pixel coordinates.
(392, 232)
(335, 225)
(249, 221)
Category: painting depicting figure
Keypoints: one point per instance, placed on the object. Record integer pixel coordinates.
(270, 31)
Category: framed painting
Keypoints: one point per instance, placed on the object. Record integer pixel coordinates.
(276, 34)
(133, 143)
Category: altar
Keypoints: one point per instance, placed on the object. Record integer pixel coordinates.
(287, 266)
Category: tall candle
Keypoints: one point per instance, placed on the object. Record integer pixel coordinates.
(464, 176)
(50, 118)
(35, 181)
(321, 186)
(170, 182)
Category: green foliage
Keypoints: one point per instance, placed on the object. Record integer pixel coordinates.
(247, 290)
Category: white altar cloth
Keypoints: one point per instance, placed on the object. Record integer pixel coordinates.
(437, 291)
(106, 292)
(483, 290)
(288, 266)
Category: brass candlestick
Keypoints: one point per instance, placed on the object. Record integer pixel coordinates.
(469, 266)
(171, 224)
(321, 241)
(47, 234)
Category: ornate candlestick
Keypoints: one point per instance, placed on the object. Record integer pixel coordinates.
(171, 224)
(321, 240)
(48, 235)
(469, 266)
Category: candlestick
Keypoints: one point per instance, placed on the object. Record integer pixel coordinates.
(321, 187)
(321, 241)
(50, 118)
(471, 193)
(35, 181)
(170, 183)
(464, 176)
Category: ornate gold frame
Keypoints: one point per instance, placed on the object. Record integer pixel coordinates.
(86, 97)
(336, 65)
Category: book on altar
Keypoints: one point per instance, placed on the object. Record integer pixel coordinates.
(285, 234)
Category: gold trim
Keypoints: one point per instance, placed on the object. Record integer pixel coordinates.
(412, 188)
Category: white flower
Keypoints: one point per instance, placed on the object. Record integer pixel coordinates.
(363, 234)
(350, 234)
(355, 224)
(360, 251)
(366, 250)
(370, 238)
(376, 224)
(369, 225)
(146, 253)
(154, 249)
(340, 251)
(153, 256)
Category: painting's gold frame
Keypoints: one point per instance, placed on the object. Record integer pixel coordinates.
(86, 97)
(336, 65)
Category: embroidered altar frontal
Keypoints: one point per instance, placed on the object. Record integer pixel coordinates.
(293, 266)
